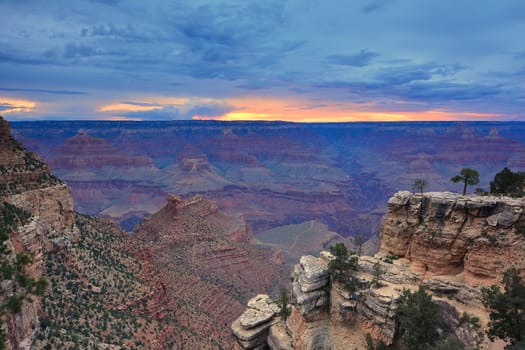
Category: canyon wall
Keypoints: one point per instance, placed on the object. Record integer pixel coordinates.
(27, 183)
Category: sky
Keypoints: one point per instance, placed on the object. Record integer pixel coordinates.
(297, 60)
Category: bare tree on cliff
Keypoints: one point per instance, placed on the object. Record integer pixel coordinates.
(468, 177)
(359, 241)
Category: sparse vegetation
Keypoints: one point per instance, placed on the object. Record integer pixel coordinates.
(370, 344)
(84, 309)
(359, 241)
(480, 191)
(377, 274)
(283, 303)
(389, 259)
(473, 320)
(12, 266)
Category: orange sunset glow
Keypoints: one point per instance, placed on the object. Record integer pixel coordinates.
(15, 105)
(331, 111)
(125, 107)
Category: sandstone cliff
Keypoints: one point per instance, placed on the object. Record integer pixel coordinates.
(27, 183)
(445, 233)
(448, 243)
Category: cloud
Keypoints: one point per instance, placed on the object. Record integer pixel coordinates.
(107, 2)
(18, 59)
(418, 52)
(376, 5)
(395, 77)
(399, 75)
(128, 32)
(360, 59)
(73, 50)
(45, 91)
(185, 111)
(10, 105)
(448, 91)
(134, 103)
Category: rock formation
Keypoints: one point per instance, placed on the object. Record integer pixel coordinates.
(177, 282)
(448, 243)
(446, 233)
(195, 242)
(27, 183)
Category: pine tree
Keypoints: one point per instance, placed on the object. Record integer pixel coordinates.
(507, 308)
(417, 315)
(468, 177)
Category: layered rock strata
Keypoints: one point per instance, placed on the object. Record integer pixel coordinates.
(447, 233)
(207, 268)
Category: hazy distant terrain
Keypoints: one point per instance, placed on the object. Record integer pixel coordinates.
(274, 174)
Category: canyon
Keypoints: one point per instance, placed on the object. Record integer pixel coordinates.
(177, 281)
(215, 221)
(273, 173)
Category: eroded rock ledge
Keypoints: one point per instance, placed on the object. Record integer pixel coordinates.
(447, 233)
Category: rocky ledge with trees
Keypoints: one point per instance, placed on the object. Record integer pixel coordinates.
(436, 282)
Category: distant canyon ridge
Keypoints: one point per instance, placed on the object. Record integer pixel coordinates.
(334, 178)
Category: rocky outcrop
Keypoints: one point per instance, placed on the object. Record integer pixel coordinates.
(447, 243)
(52, 205)
(20, 170)
(252, 327)
(447, 233)
(309, 285)
(340, 319)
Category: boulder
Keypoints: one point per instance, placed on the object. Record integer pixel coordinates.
(252, 327)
